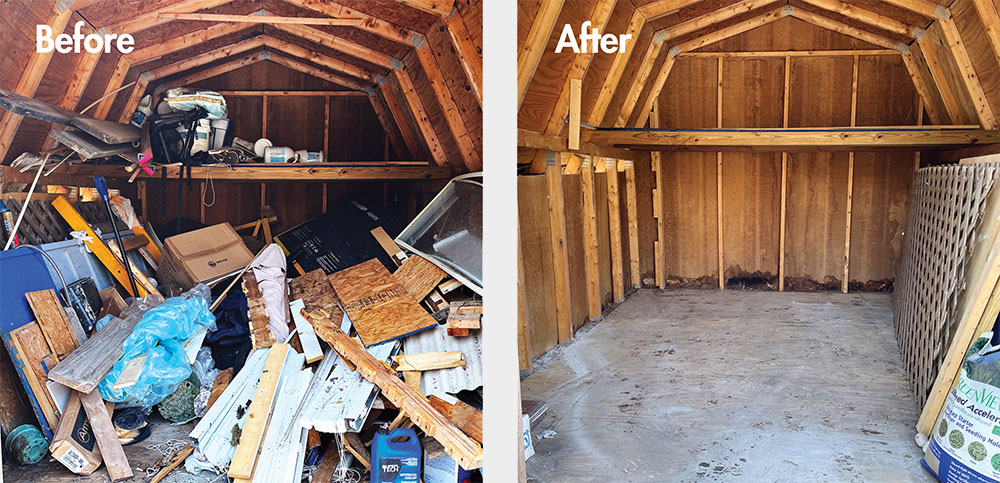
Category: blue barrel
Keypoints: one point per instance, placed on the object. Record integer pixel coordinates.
(396, 457)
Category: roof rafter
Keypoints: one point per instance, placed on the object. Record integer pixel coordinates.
(660, 8)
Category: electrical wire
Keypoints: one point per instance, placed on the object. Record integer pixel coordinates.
(53, 262)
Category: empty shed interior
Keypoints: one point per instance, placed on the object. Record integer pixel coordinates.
(749, 146)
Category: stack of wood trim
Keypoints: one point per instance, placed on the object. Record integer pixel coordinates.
(946, 204)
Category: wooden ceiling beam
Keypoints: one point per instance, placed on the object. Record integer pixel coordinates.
(27, 84)
(387, 126)
(953, 39)
(264, 18)
(191, 39)
(469, 54)
(420, 114)
(341, 44)
(369, 23)
(865, 16)
(923, 90)
(323, 60)
(433, 7)
(218, 69)
(712, 18)
(842, 28)
(613, 78)
(315, 72)
(659, 8)
(452, 115)
(940, 78)
(990, 17)
(388, 95)
(923, 7)
(534, 44)
(207, 57)
(152, 17)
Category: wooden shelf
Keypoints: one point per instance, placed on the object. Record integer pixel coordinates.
(82, 174)
(796, 139)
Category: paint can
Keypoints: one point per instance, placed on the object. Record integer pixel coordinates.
(26, 444)
(306, 156)
(274, 154)
(396, 456)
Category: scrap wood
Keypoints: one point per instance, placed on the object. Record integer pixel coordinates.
(130, 373)
(412, 379)
(378, 306)
(239, 276)
(464, 317)
(463, 449)
(389, 245)
(418, 276)
(88, 364)
(328, 465)
(462, 415)
(353, 444)
(429, 361)
(254, 224)
(260, 412)
(307, 337)
(107, 439)
(316, 293)
(140, 278)
(62, 335)
(32, 357)
(175, 460)
(222, 381)
(260, 332)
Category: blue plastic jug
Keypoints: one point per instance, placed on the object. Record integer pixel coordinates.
(396, 457)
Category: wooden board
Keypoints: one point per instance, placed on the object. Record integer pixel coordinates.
(58, 331)
(31, 353)
(751, 199)
(429, 361)
(878, 214)
(463, 449)
(418, 276)
(107, 439)
(573, 201)
(691, 244)
(259, 414)
(378, 306)
(87, 365)
(533, 219)
(260, 331)
(219, 386)
(603, 238)
(316, 293)
(462, 415)
(815, 212)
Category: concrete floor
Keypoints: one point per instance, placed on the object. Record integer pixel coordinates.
(703, 385)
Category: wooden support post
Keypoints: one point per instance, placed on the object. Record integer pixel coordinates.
(534, 44)
(784, 183)
(263, 123)
(28, 83)
(523, 334)
(575, 86)
(614, 221)
(718, 178)
(850, 183)
(590, 244)
(659, 264)
(633, 224)
(560, 253)
(107, 440)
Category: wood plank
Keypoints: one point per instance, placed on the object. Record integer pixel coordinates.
(419, 276)
(659, 8)
(989, 14)
(32, 354)
(712, 18)
(922, 88)
(107, 439)
(462, 415)
(389, 245)
(632, 208)
(833, 138)
(60, 334)
(219, 386)
(423, 122)
(380, 308)
(940, 78)
(792, 53)
(858, 13)
(84, 368)
(260, 19)
(973, 85)
(842, 28)
(560, 250)
(590, 239)
(429, 361)
(575, 86)
(614, 75)
(463, 449)
(469, 54)
(534, 44)
(389, 127)
(259, 414)
(614, 222)
(392, 102)
(534, 140)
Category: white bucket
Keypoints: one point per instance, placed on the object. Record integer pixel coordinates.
(219, 129)
(260, 145)
(306, 156)
(278, 154)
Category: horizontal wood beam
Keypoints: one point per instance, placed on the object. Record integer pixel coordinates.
(152, 17)
(340, 44)
(659, 8)
(842, 139)
(534, 140)
(184, 41)
(712, 18)
(433, 7)
(320, 59)
(268, 19)
(864, 16)
(793, 53)
(369, 23)
(82, 174)
(294, 93)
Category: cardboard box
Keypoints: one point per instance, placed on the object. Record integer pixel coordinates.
(202, 256)
(74, 444)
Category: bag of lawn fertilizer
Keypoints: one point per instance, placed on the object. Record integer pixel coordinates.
(965, 445)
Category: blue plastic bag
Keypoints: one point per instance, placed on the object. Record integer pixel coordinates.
(160, 335)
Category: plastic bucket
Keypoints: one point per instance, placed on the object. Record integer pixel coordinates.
(274, 154)
(219, 129)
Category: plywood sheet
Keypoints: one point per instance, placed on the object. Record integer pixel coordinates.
(377, 304)
(831, 76)
(573, 201)
(689, 99)
(751, 92)
(536, 250)
(816, 216)
(886, 95)
(647, 227)
(418, 276)
(750, 213)
(623, 216)
(878, 213)
(691, 245)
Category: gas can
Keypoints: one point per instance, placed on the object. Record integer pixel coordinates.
(396, 457)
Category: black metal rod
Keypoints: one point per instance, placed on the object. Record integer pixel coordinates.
(121, 248)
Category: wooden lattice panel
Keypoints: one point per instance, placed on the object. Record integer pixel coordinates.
(945, 206)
